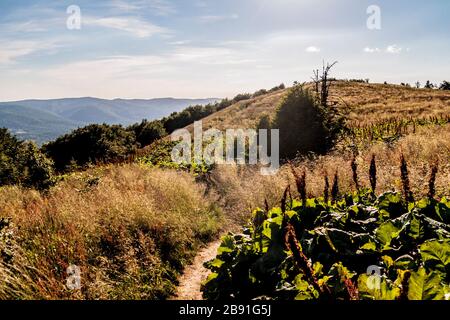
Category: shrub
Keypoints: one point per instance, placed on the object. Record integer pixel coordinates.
(147, 132)
(22, 163)
(90, 145)
(242, 96)
(304, 125)
(445, 85)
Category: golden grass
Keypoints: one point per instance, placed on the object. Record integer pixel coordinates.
(130, 229)
(369, 103)
(245, 189)
(363, 104)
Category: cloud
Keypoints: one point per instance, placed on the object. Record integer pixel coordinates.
(12, 50)
(218, 18)
(139, 28)
(371, 50)
(312, 49)
(394, 49)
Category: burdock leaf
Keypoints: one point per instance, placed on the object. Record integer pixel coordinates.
(423, 286)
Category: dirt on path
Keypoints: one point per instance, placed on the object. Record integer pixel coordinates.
(195, 274)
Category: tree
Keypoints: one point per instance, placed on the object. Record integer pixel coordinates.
(305, 125)
(22, 163)
(429, 85)
(90, 145)
(148, 132)
(322, 83)
(445, 85)
(37, 169)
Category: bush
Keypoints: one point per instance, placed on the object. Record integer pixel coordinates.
(259, 93)
(147, 132)
(304, 125)
(22, 163)
(178, 120)
(90, 145)
(242, 97)
(445, 85)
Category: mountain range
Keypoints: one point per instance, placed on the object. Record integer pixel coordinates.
(45, 120)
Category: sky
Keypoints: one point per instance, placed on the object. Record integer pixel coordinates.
(213, 48)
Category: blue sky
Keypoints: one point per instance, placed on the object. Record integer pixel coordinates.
(212, 48)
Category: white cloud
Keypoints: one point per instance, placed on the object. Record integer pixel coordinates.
(371, 50)
(394, 49)
(139, 28)
(11, 50)
(312, 49)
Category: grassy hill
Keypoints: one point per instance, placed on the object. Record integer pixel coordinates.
(362, 104)
(132, 229)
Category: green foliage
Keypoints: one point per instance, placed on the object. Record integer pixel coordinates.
(160, 157)
(178, 120)
(409, 242)
(22, 163)
(147, 132)
(90, 145)
(304, 125)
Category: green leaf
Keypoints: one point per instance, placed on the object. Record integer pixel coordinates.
(369, 290)
(416, 228)
(386, 233)
(423, 286)
(227, 245)
(436, 254)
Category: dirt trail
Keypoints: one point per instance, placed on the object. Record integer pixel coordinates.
(195, 274)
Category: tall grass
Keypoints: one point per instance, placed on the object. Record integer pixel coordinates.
(129, 229)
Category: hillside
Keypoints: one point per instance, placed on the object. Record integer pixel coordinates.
(362, 104)
(28, 123)
(58, 116)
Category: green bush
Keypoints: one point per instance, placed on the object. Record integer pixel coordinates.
(304, 125)
(90, 145)
(23, 163)
(147, 132)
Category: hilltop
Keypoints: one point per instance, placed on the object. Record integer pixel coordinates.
(362, 104)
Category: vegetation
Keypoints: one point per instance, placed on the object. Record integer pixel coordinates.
(23, 164)
(148, 132)
(93, 144)
(445, 85)
(129, 229)
(305, 126)
(160, 157)
(327, 249)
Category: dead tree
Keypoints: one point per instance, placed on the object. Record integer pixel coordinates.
(322, 83)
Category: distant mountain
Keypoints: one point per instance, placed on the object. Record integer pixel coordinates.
(45, 120)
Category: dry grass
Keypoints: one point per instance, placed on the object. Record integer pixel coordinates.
(370, 103)
(246, 189)
(130, 230)
(244, 114)
(362, 103)
(240, 189)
